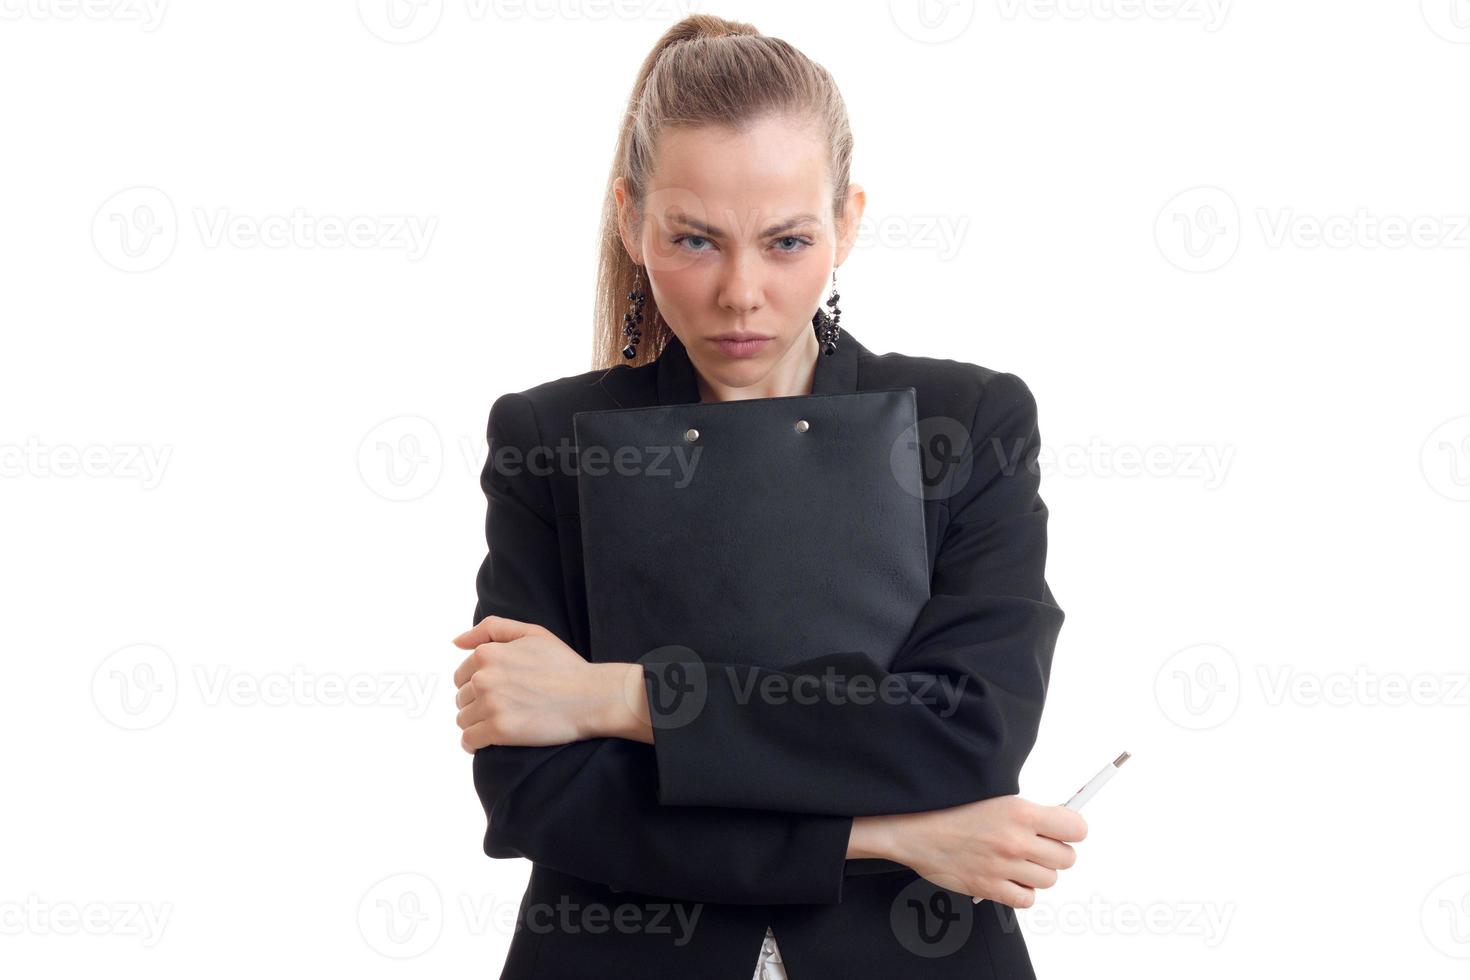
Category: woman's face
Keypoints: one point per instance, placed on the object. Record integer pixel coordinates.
(738, 245)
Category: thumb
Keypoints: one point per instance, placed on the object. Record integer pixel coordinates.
(494, 629)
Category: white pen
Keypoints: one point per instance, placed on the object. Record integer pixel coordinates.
(1088, 790)
(1095, 783)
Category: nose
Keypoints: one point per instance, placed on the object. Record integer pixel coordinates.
(740, 289)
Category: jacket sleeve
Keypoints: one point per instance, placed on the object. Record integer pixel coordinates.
(954, 719)
(590, 808)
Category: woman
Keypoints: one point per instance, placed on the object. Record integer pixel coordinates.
(730, 203)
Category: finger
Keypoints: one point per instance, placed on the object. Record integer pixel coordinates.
(477, 634)
(477, 736)
(1016, 896)
(470, 716)
(1050, 853)
(1032, 875)
(464, 695)
(1060, 823)
(466, 670)
(493, 629)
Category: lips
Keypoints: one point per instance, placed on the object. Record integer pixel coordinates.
(736, 345)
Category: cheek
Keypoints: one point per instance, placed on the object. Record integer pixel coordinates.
(680, 285)
(804, 285)
(816, 277)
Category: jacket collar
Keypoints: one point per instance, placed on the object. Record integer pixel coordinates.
(836, 373)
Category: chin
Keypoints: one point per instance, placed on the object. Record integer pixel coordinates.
(740, 372)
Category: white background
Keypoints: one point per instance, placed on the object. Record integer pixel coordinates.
(1228, 238)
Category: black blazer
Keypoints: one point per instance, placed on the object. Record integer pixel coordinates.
(669, 860)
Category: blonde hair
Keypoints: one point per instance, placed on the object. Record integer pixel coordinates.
(705, 70)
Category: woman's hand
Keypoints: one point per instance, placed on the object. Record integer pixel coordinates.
(521, 685)
(1001, 849)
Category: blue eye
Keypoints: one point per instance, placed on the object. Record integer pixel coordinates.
(803, 242)
(686, 238)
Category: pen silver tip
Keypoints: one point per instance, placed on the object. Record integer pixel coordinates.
(1120, 760)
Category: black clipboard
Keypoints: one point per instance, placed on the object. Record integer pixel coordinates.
(762, 531)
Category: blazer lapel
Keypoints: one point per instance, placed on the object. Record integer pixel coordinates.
(836, 373)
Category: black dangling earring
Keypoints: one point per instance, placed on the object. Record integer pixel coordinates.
(634, 317)
(828, 325)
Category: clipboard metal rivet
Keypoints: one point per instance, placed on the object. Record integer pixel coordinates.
(691, 435)
(801, 425)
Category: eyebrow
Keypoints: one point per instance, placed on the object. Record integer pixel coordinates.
(713, 232)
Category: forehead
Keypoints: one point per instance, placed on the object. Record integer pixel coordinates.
(775, 168)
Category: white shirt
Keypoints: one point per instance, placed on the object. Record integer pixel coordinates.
(769, 966)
